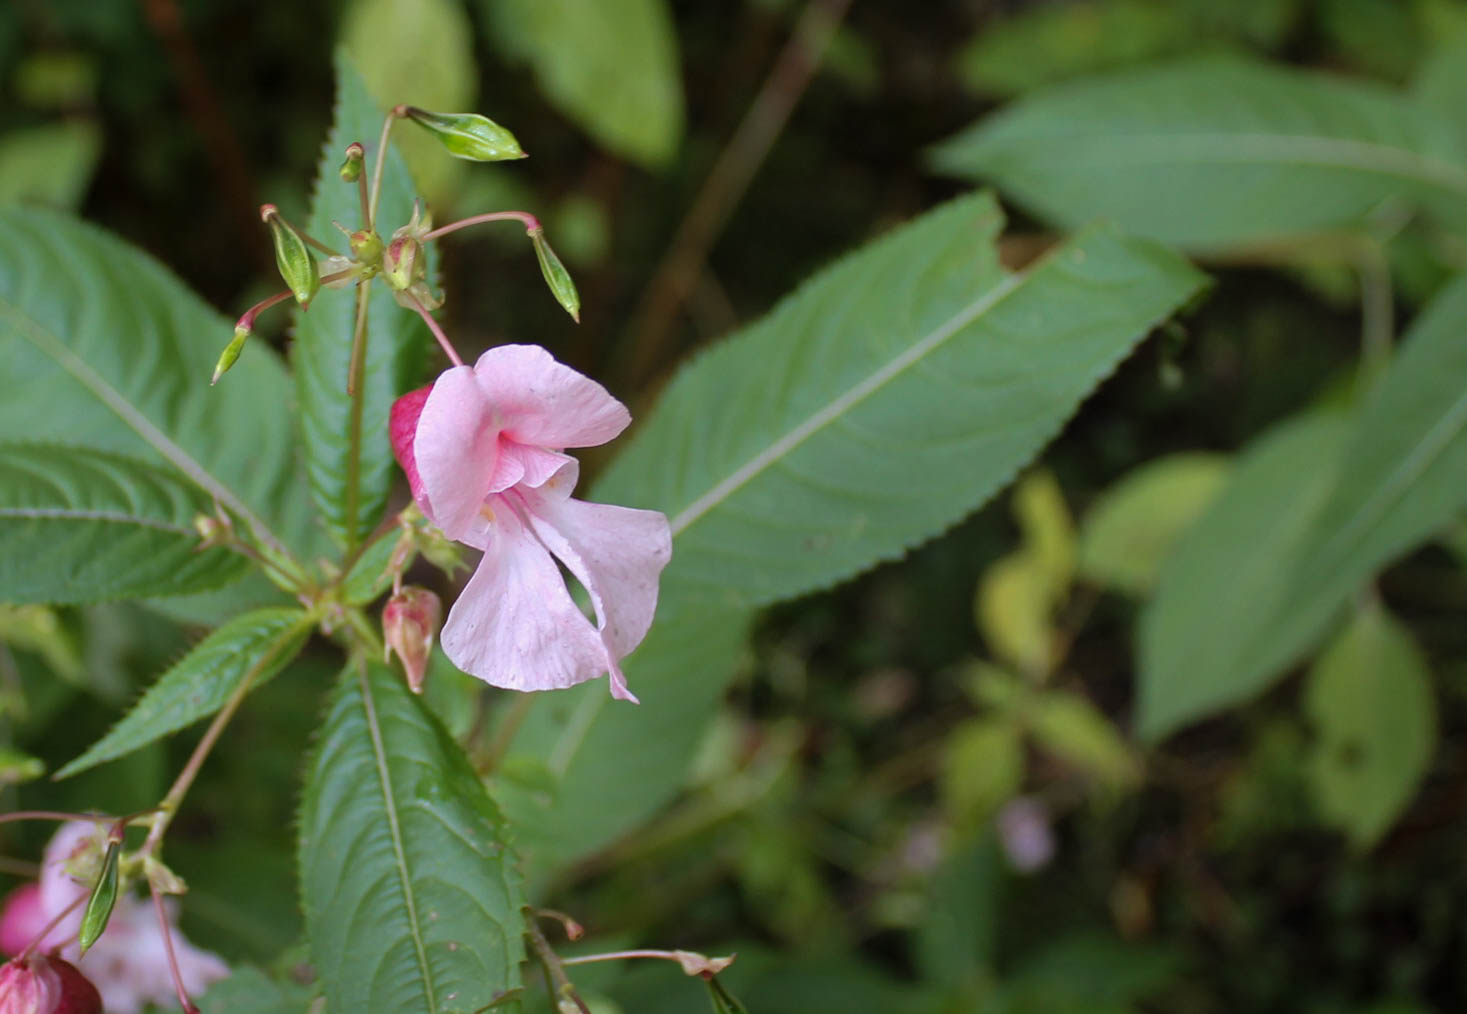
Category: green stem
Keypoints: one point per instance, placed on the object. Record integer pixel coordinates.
(355, 374)
(562, 988)
(377, 169)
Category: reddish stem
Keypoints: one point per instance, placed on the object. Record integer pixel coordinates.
(531, 223)
(46, 931)
(183, 1000)
(448, 349)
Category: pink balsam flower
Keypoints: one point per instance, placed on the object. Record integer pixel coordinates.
(129, 962)
(483, 450)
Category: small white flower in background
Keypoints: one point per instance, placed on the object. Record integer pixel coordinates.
(129, 962)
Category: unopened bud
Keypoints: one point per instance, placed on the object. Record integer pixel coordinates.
(556, 276)
(409, 624)
(230, 354)
(366, 247)
(351, 169)
(297, 266)
(467, 135)
(46, 985)
(104, 894)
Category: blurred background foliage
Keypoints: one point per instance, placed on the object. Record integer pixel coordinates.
(925, 793)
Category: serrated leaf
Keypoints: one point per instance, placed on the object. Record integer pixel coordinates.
(1369, 699)
(253, 647)
(369, 577)
(609, 65)
(106, 350)
(343, 452)
(888, 397)
(411, 896)
(1218, 154)
(1131, 528)
(250, 991)
(1406, 448)
(82, 526)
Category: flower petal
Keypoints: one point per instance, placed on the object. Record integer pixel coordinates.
(514, 625)
(615, 552)
(402, 427)
(527, 464)
(546, 403)
(455, 449)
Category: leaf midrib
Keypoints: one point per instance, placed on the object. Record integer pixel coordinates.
(112, 517)
(49, 344)
(399, 854)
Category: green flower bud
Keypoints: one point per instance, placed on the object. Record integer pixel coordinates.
(366, 248)
(230, 353)
(292, 257)
(556, 276)
(404, 263)
(467, 135)
(104, 895)
(351, 169)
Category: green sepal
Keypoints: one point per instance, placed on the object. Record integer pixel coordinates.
(467, 135)
(104, 896)
(556, 276)
(297, 267)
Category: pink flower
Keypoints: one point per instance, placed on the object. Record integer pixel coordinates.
(42, 985)
(129, 962)
(483, 451)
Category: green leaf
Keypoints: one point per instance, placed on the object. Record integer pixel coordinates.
(1225, 578)
(983, 768)
(369, 576)
(250, 991)
(1369, 699)
(957, 943)
(348, 457)
(1069, 726)
(412, 899)
(1216, 155)
(417, 53)
(1204, 648)
(250, 648)
(51, 165)
(112, 353)
(1132, 527)
(887, 398)
(609, 65)
(1014, 608)
(82, 526)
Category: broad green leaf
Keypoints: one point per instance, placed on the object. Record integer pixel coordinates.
(1369, 699)
(609, 65)
(82, 526)
(104, 349)
(411, 896)
(1226, 577)
(1218, 155)
(419, 53)
(1406, 479)
(888, 397)
(347, 456)
(1131, 529)
(251, 648)
(51, 165)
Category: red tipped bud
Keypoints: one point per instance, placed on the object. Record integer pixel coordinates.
(366, 248)
(409, 623)
(351, 169)
(42, 985)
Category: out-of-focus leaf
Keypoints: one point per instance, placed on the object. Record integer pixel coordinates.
(1380, 37)
(412, 898)
(250, 991)
(50, 165)
(252, 647)
(1091, 972)
(1050, 42)
(891, 395)
(82, 526)
(1226, 576)
(1014, 607)
(1369, 699)
(1131, 529)
(956, 944)
(609, 65)
(1219, 154)
(17, 767)
(1049, 534)
(1070, 727)
(418, 53)
(1441, 80)
(1269, 792)
(982, 768)
(1406, 479)
(346, 451)
(110, 352)
(38, 629)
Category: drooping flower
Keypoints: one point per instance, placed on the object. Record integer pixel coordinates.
(38, 984)
(129, 962)
(483, 449)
